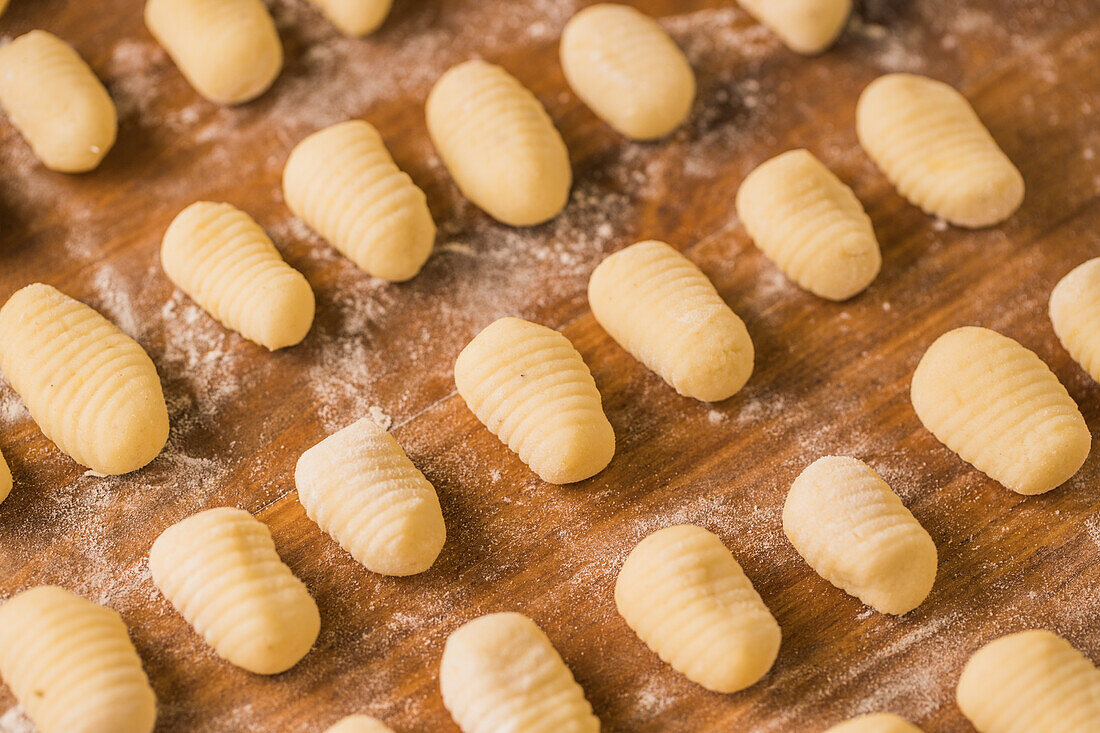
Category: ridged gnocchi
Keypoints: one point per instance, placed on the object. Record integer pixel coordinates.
(359, 724)
(662, 309)
(362, 489)
(1075, 315)
(501, 673)
(810, 225)
(624, 66)
(805, 26)
(355, 17)
(853, 530)
(223, 260)
(91, 388)
(228, 50)
(342, 182)
(72, 666)
(220, 570)
(1001, 409)
(927, 139)
(499, 144)
(56, 102)
(875, 723)
(1029, 682)
(532, 389)
(5, 479)
(685, 596)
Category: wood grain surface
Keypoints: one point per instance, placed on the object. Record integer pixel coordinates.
(830, 378)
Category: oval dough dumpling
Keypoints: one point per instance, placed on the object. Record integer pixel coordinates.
(685, 596)
(1030, 682)
(499, 144)
(355, 17)
(228, 50)
(624, 66)
(221, 571)
(998, 406)
(928, 140)
(362, 489)
(5, 479)
(805, 26)
(91, 388)
(343, 183)
(359, 724)
(661, 308)
(72, 666)
(221, 258)
(56, 102)
(810, 225)
(501, 673)
(853, 530)
(875, 723)
(532, 389)
(1075, 314)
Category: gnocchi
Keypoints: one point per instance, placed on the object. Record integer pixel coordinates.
(623, 65)
(219, 568)
(662, 309)
(222, 259)
(1075, 315)
(228, 50)
(362, 489)
(499, 144)
(5, 479)
(359, 724)
(707, 621)
(810, 225)
(1001, 409)
(501, 673)
(806, 26)
(56, 102)
(72, 666)
(875, 723)
(849, 526)
(1028, 682)
(91, 388)
(3, 6)
(355, 17)
(927, 139)
(532, 389)
(344, 184)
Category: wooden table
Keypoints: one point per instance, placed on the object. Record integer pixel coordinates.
(830, 378)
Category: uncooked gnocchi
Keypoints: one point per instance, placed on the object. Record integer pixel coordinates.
(223, 260)
(501, 673)
(810, 225)
(532, 389)
(623, 65)
(344, 184)
(5, 479)
(499, 144)
(91, 388)
(219, 568)
(875, 723)
(1075, 314)
(1030, 682)
(927, 139)
(685, 596)
(355, 17)
(662, 309)
(56, 102)
(1001, 409)
(362, 489)
(806, 26)
(228, 50)
(359, 724)
(72, 666)
(849, 526)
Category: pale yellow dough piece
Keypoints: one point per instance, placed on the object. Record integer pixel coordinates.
(928, 140)
(72, 666)
(1001, 409)
(805, 26)
(5, 479)
(91, 388)
(662, 309)
(501, 673)
(685, 596)
(532, 389)
(228, 50)
(56, 102)
(222, 259)
(355, 17)
(875, 723)
(219, 568)
(499, 144)
(853, 530)
(1075, 315)
(624, 66)
(362, 489)
(1030, 682)
(359, 724)
(810, 225)
(342, 182)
